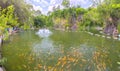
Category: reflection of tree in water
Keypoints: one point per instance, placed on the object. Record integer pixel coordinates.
(44, 47)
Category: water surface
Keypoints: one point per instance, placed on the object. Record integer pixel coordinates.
(62, 51)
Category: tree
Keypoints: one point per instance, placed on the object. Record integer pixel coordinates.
(38, 12)
(109, 11)
(40, 21)
(66, 3)
(95, 3)
(7, 18)
(21, 10)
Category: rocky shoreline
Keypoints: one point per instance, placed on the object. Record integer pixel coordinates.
(2, 68)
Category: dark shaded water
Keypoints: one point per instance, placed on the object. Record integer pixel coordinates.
(62, 51)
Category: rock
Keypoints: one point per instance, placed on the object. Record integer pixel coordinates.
(97, 35)
(108, 37)
(103, 36)
(1, 69)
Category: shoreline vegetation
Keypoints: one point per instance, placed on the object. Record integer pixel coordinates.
(3, 38)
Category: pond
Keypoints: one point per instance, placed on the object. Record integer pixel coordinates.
(62, 51)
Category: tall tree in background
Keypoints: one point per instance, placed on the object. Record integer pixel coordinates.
(66, 3)
(95, 3)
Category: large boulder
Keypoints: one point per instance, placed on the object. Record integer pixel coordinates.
(1, 69)
(109, 29)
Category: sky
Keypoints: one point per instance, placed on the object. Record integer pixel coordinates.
(47, 5)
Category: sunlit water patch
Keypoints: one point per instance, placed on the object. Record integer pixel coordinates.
(45, 46)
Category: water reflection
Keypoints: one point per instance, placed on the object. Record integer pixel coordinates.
(45, 47)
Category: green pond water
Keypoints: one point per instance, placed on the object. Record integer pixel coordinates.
(62, 51)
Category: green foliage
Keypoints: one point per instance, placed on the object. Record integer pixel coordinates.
(22, 12)
(118, 27)
(7, 18)
(80, 11)
(66, 3)
(65, 18)
(105, 12)
(3, 61)
(49, 22)
(118, 63)
(25, 27)
(91, 17)
(11, 19)
(40, 21)
(115, 5)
